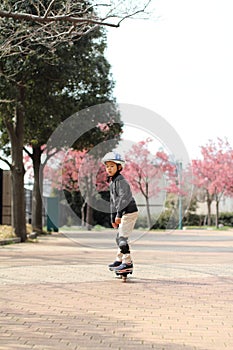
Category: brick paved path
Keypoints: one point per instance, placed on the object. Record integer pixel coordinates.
(56, 294)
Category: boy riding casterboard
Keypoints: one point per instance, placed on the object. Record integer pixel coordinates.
(124, 212)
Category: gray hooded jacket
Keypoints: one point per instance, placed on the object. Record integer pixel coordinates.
(121, 199)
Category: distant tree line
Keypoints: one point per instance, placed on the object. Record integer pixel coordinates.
(203, 179)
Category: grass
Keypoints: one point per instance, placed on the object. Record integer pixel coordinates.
(80, 228)
(221, 228)
(6, 231)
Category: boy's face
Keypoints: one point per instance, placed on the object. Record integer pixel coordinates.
(111, 168)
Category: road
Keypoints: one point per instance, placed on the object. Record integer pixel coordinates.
(210, 241)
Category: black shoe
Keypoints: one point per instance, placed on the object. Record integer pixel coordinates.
(114, 265)
(124, 268)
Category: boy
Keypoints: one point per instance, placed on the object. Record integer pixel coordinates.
(124, 211)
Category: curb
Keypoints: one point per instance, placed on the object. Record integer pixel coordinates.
(10, 240)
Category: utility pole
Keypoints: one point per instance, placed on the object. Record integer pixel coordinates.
(180, 226)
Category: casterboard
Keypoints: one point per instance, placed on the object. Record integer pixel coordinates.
(122, 275)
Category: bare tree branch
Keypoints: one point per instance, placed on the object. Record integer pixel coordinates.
(49, 8)
(6, 101)
(6, 161)
(27, 151)
(58, 18)
(58, 22)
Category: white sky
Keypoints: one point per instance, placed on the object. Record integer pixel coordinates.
(180, 66)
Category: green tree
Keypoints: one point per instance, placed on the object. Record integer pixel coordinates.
(82, 78)
(34, 81)
(12, 92)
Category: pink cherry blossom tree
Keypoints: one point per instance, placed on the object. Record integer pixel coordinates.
(144, 172)
(178, 187)
(214, 172)
(92, 178)
(79, 171)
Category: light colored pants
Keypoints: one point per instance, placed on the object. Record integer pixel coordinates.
(124, 230)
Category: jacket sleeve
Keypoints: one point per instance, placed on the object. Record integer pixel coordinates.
(113, 211)
(124, 197)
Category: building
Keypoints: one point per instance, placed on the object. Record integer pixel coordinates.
(5, 197)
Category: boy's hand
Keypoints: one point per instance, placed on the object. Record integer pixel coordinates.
(118, 221)
(114, 225)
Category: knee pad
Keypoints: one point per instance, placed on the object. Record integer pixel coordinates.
(123, 245)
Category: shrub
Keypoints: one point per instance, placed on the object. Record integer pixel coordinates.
(226, 219)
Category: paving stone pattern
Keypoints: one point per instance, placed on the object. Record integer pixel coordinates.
(56, 295)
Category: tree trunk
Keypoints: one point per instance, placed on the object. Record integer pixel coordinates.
(149, 221)
(89, 216)
(83, 213)
(37, 205)
(217, 213)
(209, 201)
(16, 134)
(18, 202)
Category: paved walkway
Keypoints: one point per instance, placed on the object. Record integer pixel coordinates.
(58, 294)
